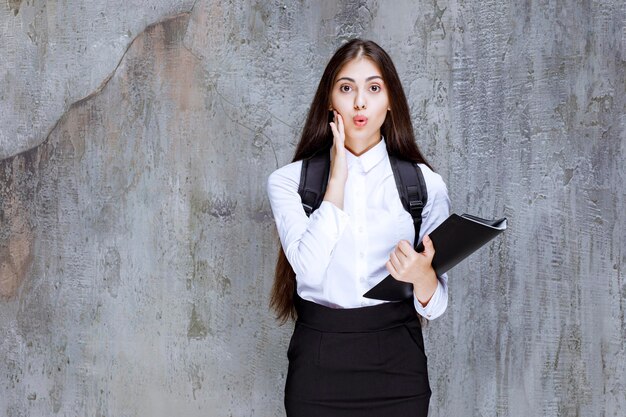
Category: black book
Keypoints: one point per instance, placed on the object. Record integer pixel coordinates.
(454, 240)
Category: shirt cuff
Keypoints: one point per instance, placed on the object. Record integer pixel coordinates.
(436, 305)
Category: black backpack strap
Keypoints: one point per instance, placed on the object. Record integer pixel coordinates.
(412, 190)
(313, 180)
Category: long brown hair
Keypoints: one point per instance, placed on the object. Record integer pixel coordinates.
(317, 136)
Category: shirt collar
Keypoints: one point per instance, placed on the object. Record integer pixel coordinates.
(369, 159)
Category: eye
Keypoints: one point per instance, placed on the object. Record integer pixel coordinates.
(345, 88)
(375, 88)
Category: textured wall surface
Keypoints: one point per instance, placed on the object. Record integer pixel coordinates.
(55, 53)
(137, 244)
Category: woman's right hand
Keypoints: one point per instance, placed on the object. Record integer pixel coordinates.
(338, 164)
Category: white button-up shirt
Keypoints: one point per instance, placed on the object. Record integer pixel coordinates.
(338, 255)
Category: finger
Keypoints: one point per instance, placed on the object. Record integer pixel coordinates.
(395, 261)
(429, 248)
(399, 254)
(340, 126)
(333, 127)
(406, 248)
(391, 269)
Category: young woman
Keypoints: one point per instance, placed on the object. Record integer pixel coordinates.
(350, 355)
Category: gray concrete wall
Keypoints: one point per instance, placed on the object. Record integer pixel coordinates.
(137, 244)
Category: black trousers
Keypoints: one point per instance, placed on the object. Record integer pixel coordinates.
(366, 362)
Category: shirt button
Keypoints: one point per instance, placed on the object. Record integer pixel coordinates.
(361, 229)
(363, 278)
(361, 254)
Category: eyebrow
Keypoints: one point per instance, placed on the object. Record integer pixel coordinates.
(366, 80)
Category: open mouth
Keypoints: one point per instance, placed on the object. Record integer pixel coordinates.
(359, 121)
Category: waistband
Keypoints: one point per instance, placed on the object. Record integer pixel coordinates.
(354, 320)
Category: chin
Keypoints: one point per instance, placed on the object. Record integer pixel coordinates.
(360, 133)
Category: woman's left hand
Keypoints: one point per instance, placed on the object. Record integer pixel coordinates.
(405, 264)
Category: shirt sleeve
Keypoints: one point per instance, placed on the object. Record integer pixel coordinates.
(308, 242)
(437, 209)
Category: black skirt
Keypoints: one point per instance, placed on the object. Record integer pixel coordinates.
(366, 362)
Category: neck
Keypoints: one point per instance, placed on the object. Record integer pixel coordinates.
(358, 148)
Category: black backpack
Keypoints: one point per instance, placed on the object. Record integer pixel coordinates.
(408, 176)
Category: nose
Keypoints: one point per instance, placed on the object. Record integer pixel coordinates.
(359, 102)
